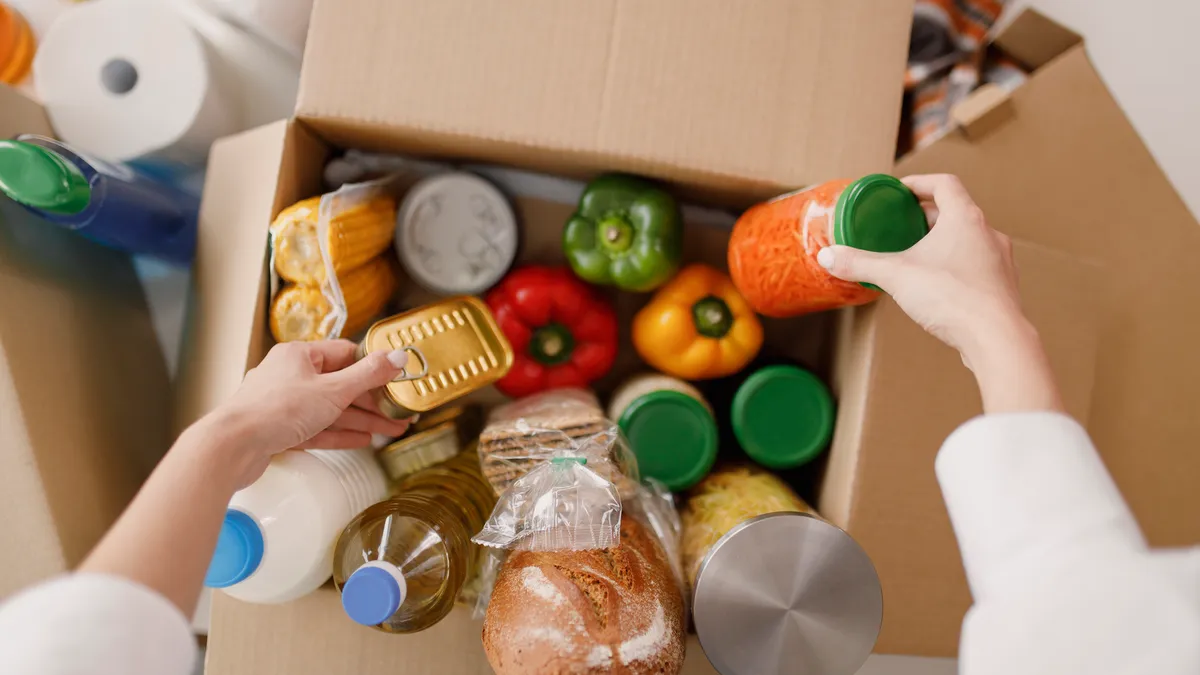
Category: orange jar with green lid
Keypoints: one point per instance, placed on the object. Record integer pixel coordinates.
(17, 45)
(774, 245)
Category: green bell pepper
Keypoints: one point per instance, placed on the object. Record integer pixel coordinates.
(626, 232)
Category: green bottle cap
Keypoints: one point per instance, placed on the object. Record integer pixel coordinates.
(41, 178)
(878, 213)
(673, 435)
(782, 416)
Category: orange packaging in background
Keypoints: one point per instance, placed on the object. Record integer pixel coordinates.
(17, 45)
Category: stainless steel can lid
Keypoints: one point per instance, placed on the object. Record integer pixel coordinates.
(787, 593)
(456, 234)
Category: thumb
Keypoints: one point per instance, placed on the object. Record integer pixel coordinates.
(370, 372)
(854, 264)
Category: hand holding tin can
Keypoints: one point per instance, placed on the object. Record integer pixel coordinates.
(455, 348)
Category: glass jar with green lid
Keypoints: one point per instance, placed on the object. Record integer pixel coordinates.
(782, 416)
(670, 427)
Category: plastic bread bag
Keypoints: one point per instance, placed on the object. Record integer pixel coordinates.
(333, 270)
(525, 433)
(490, 562)
(653, 505)
(559, 505)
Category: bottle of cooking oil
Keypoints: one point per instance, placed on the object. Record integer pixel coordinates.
(401, 563)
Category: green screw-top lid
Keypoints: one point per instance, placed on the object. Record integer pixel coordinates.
(782, 416)
(673, 435)
(878, 213)
(41, 178)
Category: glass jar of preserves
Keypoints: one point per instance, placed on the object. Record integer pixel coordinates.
(670, 427)
(774, 245)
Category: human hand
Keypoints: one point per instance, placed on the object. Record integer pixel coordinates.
(306, 395)
(960, 284)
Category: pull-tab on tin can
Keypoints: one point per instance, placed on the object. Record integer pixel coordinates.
(454, 346)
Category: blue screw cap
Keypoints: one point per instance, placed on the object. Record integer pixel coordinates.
(239, 550)
(373, 593)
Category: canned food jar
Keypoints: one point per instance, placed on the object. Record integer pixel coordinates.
(774, 245)
(670, 427)
(455, 348)
(782, 416)
(456, 233)
(420, 450)
(771, 580)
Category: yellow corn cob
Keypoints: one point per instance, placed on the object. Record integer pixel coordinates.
(299, 311)
(367, 291)
(355, 236)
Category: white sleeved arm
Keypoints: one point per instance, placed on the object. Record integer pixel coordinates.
(1062, 578)
(92, 624)
(1020, 485)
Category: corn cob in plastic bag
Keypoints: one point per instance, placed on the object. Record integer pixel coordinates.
(302, 312)
(336, 252)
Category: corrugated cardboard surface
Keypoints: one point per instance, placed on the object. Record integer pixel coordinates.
(895, 411)
(83, 386)
(767, 93)
(1068, 171)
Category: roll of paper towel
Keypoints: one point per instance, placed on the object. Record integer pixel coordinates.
(124, 79)
(283, 22)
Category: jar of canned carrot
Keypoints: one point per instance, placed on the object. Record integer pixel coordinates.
(774, 245)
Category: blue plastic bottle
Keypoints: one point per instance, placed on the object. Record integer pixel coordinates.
(108, 203)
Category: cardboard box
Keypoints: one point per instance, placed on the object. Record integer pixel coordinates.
(1064, 168)
(900, 391)
(84, 395)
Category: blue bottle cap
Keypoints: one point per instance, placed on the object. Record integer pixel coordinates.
(239, 550)
(373, 593)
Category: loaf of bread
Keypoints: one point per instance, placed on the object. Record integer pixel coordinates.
(617, 610)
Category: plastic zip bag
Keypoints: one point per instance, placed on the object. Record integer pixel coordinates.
(316, 304)
(561, 505)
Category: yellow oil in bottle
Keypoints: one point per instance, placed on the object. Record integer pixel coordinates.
(401, 563)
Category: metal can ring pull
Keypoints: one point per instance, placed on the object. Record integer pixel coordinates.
(405, 376)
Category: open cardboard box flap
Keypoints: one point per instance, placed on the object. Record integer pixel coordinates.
(739, 100)
(1068, 171)
(84, 395)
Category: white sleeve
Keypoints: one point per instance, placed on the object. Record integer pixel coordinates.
(1062, 579)
(94, 624)
(1020, 486)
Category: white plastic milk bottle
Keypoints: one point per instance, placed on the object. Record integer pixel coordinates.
(276, 543)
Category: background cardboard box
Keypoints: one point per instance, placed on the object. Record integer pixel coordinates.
(84, 397)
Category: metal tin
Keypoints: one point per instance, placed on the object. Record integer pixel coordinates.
(787, 593)
(420, 450)
(456, 233)
(458, 349)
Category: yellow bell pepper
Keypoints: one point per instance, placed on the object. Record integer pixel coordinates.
(697, 326)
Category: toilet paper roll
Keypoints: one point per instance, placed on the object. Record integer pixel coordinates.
(123, 79)
(283, 22)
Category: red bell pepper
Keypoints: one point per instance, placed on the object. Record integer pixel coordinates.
(562, 333)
